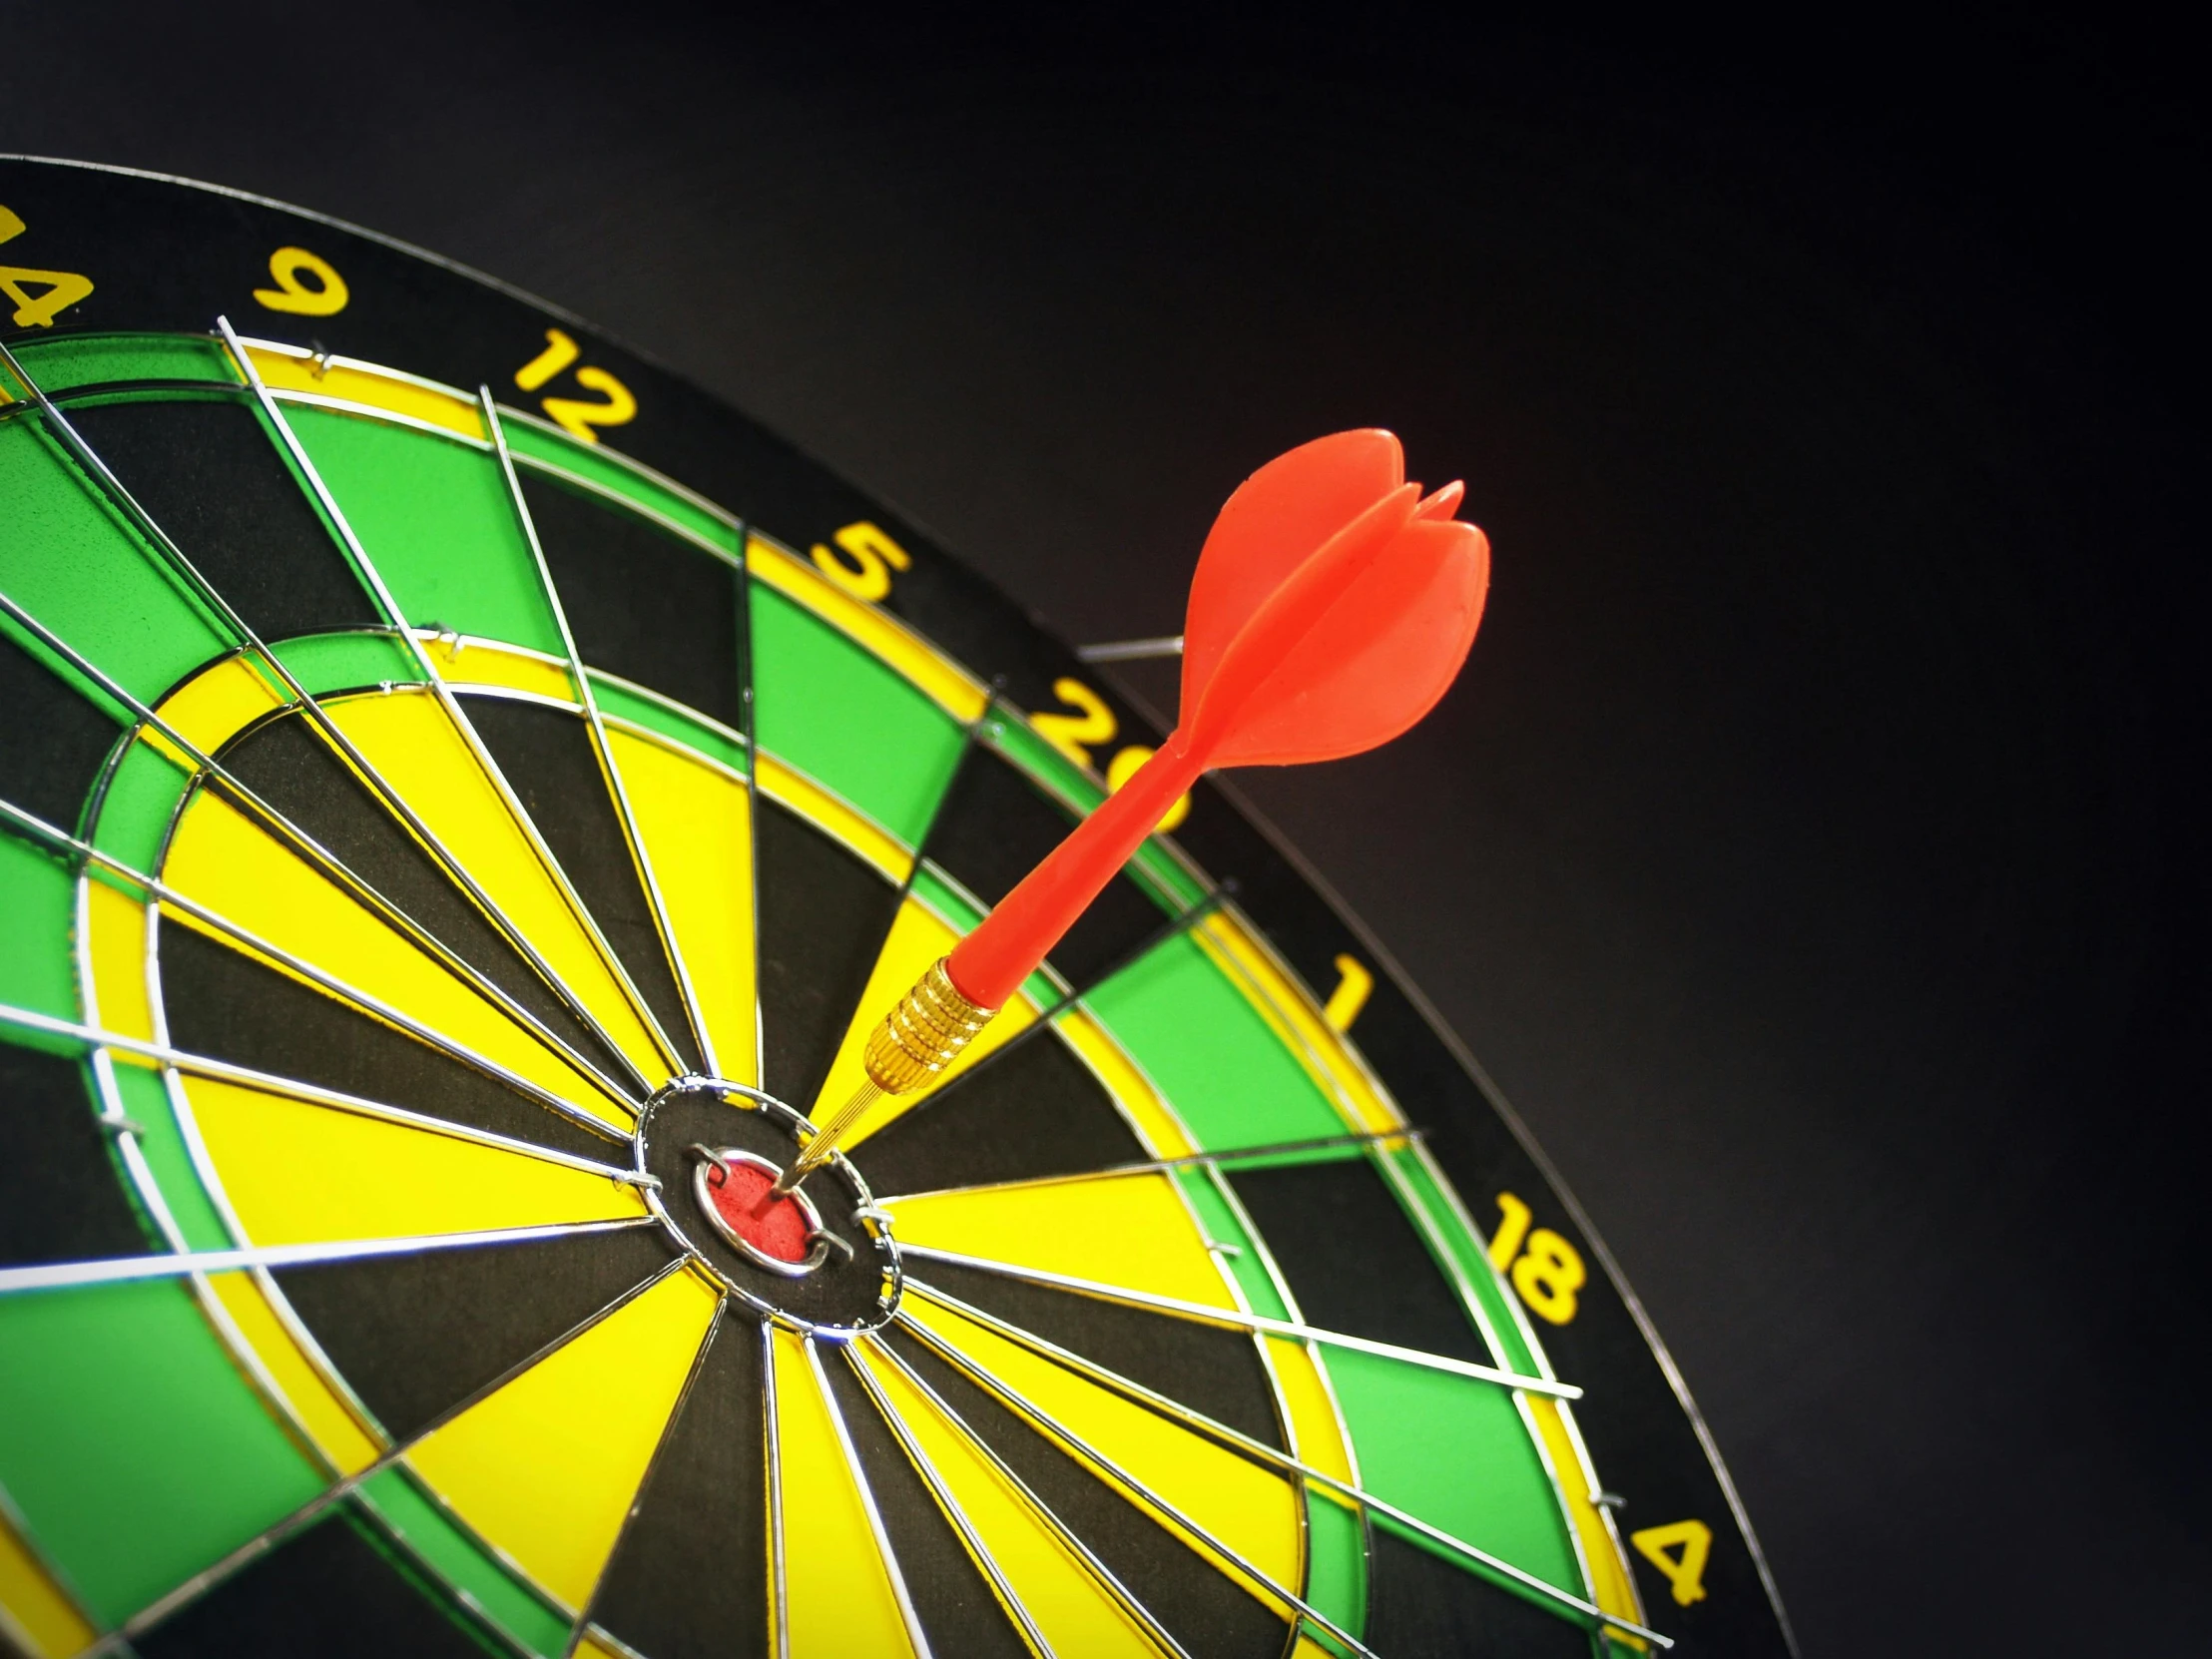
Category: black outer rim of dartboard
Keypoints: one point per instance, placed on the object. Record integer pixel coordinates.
(210, 248)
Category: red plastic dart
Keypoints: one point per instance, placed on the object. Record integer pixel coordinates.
(1332, 607)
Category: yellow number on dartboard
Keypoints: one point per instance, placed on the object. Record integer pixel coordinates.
(1353, 983)
(1684, 1573)
(1125, 766)
(577, 417)
(60, 288)
(1547, 1273)
(1090, 727)
(1093, 725)
(863, 560)
(326, 296)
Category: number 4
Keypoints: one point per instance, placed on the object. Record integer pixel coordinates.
(63, 289)
(1684, 1573)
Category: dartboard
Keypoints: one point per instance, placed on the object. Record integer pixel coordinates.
(467, 795)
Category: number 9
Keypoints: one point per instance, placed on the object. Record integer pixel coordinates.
(285, 267)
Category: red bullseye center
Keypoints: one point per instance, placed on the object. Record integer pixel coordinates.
(773, 1226)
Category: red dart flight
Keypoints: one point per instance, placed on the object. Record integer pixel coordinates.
(1333, 606)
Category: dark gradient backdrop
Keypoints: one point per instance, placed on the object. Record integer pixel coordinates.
(1810, 850)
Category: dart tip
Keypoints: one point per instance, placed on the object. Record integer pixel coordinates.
(823, 1145)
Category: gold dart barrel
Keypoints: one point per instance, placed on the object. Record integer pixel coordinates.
(923, 1034)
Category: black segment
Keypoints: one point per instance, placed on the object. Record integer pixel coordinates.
(958, 1610)
(823, 917)
(227, 1005)
(418, 1335)
(1029, 1110)
(1353, 1259)
(689, 1577)
(1213, 1372)
(337, 1591)
(1419, 1603)
(1206, 1611)
(285, 762)
(209, 475)
(53, 743)
(61, 1192)
(994, 826)
(549, 760)
(639, 602)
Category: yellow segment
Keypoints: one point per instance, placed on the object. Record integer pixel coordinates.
(592, 1646)
(1301, 1026)
(1250, 1508)
(36, 1614)
(692, 821)
(299, 1174)
(959, 694)
(207, 709)
(838, 1588)
(224, 861)
(408, 739)
(116, 924)
(321, 1413)
(1611, 1585)
(467, 660)
(1130, 1230)
(546, 1467)
(916, 939)
(1316, 1439)
(359, 383)
(840, 818)
(1074, 1613)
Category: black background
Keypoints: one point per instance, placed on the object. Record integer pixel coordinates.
(1812, 851)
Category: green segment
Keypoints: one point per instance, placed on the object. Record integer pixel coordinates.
(1336, 1549)
(462, 1563)
(102, 359)
(72, 563)
(145, 1099)
(36, 900)
(136, 808)
(838, 714)
(1483, 1483)
(134, 1453)
(1335, 1568)
(325, 663)
(941, 898)
(1222, 1067)
(436, 517)
(670, 721)
(1514, 1351)
(609, 472)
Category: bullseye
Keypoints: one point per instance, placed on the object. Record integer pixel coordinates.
(781, 1232)
(743, 1203)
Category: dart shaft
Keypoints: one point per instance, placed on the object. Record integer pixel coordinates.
(988, 967)
(925, 1031)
